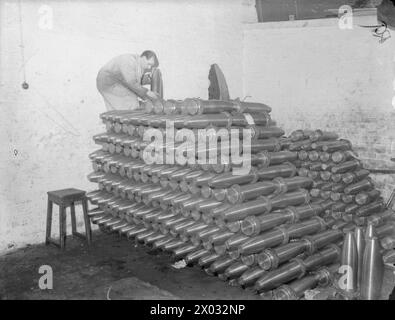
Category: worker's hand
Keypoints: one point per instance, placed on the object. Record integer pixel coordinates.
(152, 95)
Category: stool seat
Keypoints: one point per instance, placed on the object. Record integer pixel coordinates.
(66, 198)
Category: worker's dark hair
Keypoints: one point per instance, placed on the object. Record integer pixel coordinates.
(150, 54)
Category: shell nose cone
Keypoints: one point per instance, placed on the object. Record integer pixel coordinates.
(349, 261)
(235, 270)
(372, 270)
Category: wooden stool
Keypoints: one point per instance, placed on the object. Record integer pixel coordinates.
(66, 198)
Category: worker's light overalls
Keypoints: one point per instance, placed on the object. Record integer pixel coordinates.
(119, 82)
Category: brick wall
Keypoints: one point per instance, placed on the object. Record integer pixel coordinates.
(315, 75)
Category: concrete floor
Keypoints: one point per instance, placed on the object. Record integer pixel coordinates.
(88, 273)
(104, 271)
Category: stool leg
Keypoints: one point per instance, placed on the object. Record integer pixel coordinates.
(49, 221)
(73, 219)
(88, 230)
(62, 226)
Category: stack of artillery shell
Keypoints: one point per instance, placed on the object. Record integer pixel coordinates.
(263, 229)
(340, 180)
(344, 187)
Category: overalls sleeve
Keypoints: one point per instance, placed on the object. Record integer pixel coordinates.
(129, 79)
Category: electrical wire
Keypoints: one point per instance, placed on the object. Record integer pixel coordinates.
(380, 31)
(22, 45)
